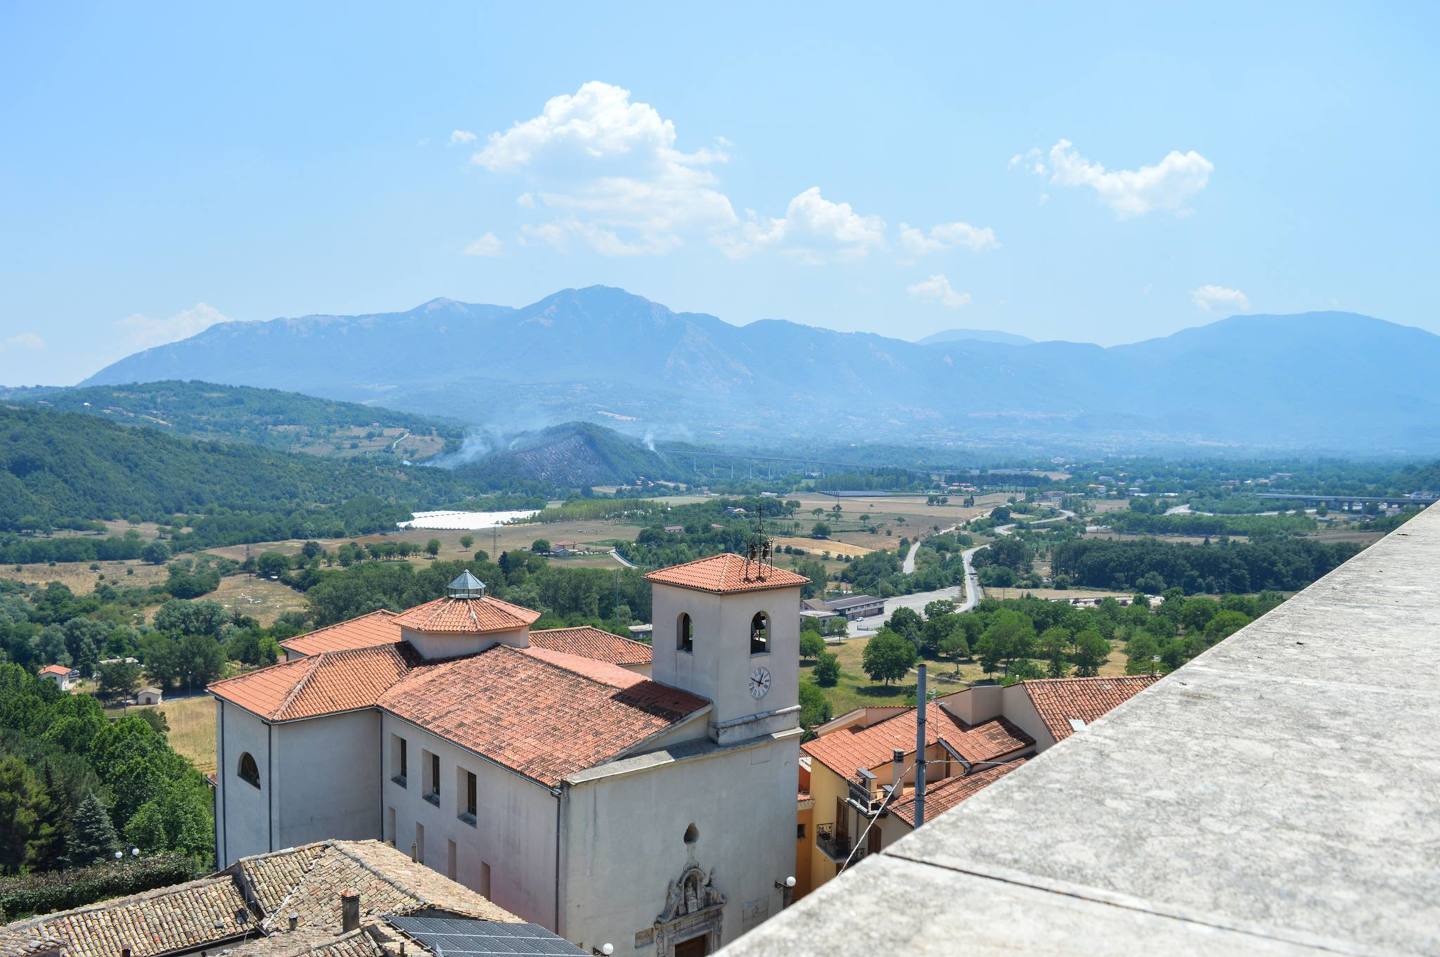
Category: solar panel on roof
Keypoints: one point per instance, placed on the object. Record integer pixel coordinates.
(462, 937)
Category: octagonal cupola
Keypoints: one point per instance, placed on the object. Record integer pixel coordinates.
(465, 621)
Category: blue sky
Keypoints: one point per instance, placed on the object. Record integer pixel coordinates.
(1103, 172)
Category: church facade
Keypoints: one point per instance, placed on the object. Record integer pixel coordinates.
(644, 801)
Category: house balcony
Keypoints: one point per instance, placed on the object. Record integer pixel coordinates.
(835, 846)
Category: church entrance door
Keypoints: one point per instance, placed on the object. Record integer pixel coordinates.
(694, 947)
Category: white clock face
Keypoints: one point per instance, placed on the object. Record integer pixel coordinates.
(759, 682)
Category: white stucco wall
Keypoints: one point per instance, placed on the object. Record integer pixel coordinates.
(327, 778)
(719, 668)
(242, 815)
(452, 646)
(624, 827)
(515, 822)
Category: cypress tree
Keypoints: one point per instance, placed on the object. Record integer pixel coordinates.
(54, 811)
(17, 811)
(92, 837)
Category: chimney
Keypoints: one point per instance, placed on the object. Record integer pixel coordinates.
(349, 911)
(294, 920)
(897, 775)
(124, 952)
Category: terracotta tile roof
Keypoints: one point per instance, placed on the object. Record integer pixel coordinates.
(1059, 700)
(55, 670)
(944, 795)
(305, 881)
(602, 671)
(540, 719)
(466, 616)
(327, 683)
(387, 881)
(846, 749)
(726, 573)
(589, 642)
(162, 921)
(376, 628)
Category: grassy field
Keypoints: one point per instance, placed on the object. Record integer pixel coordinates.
(856, 690)
(192, 727)
(80, 578)
(259, 598)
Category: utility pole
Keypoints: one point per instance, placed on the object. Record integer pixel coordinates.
(922, 704)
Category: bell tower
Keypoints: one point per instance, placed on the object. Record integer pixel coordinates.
(727, 628)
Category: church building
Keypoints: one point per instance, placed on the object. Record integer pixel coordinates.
(616, 793)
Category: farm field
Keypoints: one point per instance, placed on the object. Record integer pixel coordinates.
(820, 546)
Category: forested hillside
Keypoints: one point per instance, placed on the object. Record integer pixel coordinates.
(287, 421)
(57, 469)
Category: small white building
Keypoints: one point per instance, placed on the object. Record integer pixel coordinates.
(544, 769)
(149, 695)
(63, 677)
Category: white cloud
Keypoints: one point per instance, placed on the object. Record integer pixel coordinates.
(917, 242)
(1166, 186)
(487, 245)
(1212, 298)
(938, 289)
(143, 332)
(609, 169)
(461, 137)
(813, 228)
(22, 340)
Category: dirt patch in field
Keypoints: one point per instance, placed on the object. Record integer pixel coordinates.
(819, 546)
(259, 598)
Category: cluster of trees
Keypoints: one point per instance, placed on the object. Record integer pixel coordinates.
(704, 528)
(1154, 566)
(76, 787)
(1023, 638)
(1146, 517)
(187, 644)
(609, 598)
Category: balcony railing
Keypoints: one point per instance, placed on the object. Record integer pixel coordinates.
(835, 846)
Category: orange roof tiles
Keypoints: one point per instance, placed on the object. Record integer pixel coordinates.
(725, 574)
(55, 670)
(943, 795)
(366, 631)
(327, 683)
(846, 749)
(602, 671)
(1084, 699)
(537, 718)
(466, 616)
(590, 642)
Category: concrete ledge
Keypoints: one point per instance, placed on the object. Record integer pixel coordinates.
(1279, 794)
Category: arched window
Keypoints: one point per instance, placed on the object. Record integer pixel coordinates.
(249, 770)
(692, 834)
(685, 633)
(760, 633)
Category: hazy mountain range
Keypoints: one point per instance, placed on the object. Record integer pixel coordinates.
(1322, 381)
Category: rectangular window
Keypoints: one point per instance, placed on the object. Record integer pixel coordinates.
(399, 760)
(430, 768)
(799, 832)
(465, 795)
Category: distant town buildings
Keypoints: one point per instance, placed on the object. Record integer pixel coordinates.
(546, 770)
(972, 739)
